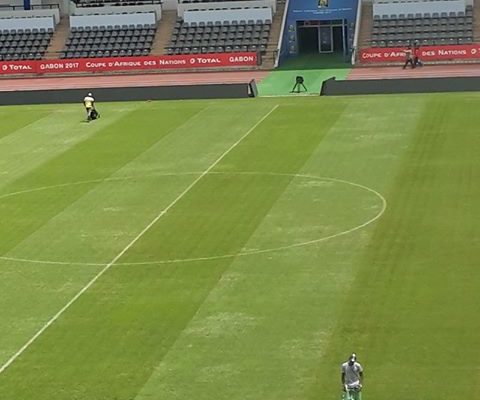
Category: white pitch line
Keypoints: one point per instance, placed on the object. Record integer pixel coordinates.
(220, 256)
(128, 246)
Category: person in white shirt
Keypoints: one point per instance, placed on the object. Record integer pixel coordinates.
(408, 57)
(89, 103)
(352, 378)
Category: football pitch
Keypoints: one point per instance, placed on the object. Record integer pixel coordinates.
(241, 249)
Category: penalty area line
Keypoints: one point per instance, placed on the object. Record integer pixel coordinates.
(12, 359)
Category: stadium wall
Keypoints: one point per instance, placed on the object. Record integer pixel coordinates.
(233, 4)
(144, 8)
(10, 13)
(220, 91)
(332, 87)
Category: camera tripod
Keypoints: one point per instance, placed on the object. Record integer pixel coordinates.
(298, 85)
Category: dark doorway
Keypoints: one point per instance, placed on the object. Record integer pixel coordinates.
(308, 40)
(338, 39)
(326, 39)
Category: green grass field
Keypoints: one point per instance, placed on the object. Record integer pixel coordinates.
(241, 250)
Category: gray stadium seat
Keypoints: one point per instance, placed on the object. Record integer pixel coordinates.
(23, 44)
(114, 41)
(437, 28)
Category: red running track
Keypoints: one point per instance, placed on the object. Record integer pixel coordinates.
(108, 81)
(427, 71)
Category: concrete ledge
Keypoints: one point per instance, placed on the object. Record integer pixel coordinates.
(46, 22)
(51, 12)
(113, 19)
(146, 8)
(223, 91)
(182, 7)
(332, 87)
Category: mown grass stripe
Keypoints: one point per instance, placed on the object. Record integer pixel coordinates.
(411, 306)
(273, 326)
(111, 207)
(15, 118)
(153, 304)
(95, 158)
(12, 359)
(29, 147)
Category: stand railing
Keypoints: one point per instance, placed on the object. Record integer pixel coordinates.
(280, 39)
(4, 7)
(357, 32)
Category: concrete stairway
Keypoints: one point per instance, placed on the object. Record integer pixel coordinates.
(476, 21)
(366, 25)
(268, 59)
(58, 39)
(164, 32)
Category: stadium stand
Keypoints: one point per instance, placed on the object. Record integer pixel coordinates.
(118, 3)
(219, 37)
(109, 41)
(121, 28)
(24, 44)
(209, 26)
(207, 1)
(437, 28)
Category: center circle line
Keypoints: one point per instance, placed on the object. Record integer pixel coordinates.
(206, 258)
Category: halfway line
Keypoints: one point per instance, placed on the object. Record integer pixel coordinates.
(128, 246)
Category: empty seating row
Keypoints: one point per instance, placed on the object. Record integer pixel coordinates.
(423, 42)
(424, 22)
(427, 29)
(5, 39)
(425, 39)
(422, 29)
(109, 41)
(22, 49)
(24, 44)
(20, 56)
(180, 23)
(468, 13)
(111, 28)
(114, 34)
(36, 32)
(105, 41)
(105, 53)
(208, 33)
(15, 47)
(234, 27)
(219, 37)
(435, 37)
